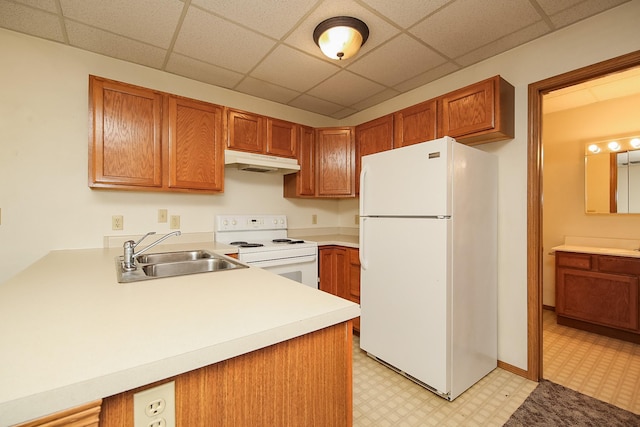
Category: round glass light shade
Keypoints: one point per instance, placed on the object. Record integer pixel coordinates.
(635, 142)
(594, 148)
(341, 37)
(613, 146)
(340, 42)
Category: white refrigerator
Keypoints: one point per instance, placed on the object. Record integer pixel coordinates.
(428, 253)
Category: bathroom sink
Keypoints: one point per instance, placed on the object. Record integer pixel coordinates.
(171, 264)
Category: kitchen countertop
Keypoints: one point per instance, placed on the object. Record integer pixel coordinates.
(331, 239)
(598, 250)
(71, 333)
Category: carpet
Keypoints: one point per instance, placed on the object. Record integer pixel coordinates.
(551, 404)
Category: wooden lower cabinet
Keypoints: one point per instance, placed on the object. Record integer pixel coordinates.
(598, 293)
(87, 415)
(340, 274)
(305, 381)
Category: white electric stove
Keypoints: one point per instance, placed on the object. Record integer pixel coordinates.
(262, 241)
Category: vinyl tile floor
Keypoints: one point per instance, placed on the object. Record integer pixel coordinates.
(601, 367)
(382, 397)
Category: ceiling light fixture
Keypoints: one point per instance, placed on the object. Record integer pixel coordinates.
(341, 37)
(613, 146)
(635, 142)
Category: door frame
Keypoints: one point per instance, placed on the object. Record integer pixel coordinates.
(534, 193)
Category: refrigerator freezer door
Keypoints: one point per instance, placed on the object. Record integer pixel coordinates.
(404, 296)
(408, 181)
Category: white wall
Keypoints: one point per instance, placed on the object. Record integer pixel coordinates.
(46, 203)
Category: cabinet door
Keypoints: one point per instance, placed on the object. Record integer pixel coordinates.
(601, 298)
(282, 138)
(335, 162)
(372, 137)
(303, 182)
(334, 273)
(246, 131)
(196, 145)
(482, 112)
(354, 281)
(125, 147)
(415, 124)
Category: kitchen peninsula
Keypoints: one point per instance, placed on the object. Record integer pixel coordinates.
(71, 334)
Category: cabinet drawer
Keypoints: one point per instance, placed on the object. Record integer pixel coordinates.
(574, 260)
(616, 264)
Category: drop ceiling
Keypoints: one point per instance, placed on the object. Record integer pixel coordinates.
(265, 48)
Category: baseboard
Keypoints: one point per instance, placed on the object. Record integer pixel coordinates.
(513, 369)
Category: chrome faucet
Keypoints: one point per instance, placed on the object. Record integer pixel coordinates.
(128, 263)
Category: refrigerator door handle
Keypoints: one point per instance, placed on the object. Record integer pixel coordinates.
(363, 174)
(361, 253)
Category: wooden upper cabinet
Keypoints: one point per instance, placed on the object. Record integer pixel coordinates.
(335, 162)
(415, 124)
(146, 140)
(479, 113)
(246, 131)
(125, 146)
(196, 145)
(372, 137)
(282, 138)
(303, 182)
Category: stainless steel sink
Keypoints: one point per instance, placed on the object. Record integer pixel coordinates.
(173, 257)
(171, 264)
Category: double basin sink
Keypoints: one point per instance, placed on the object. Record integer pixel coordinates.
(170, 264)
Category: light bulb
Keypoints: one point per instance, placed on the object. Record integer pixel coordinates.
(613, 146)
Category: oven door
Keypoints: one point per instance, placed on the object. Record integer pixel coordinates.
(302, 269)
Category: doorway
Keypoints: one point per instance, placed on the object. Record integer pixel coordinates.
(534, 193)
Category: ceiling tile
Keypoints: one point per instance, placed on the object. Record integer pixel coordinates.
(201, 71)
(396, 61)
(48, 5)
(408, 12)
(379, 30)
(113, 45)
(316, 105)
(429, 76)
(583, 10)
(551, 7)
(283, 15)
(343, 113)
(345, 88)
(211, 39)
(266, 90)
(150, 21)
(465, 25)
(292, 69)
(376, 99)
(30, 21)
(505, 43)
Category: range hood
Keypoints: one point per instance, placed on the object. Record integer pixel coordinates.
(260, 162)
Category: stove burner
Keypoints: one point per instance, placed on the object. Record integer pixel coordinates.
(296, 241)
(281, 240)
(243, 244)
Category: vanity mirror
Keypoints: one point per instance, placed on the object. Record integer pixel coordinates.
(612, 175)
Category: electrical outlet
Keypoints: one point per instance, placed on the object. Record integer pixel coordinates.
(314, 219)
(155, 407)
(117, 222)
(175, 222)
(162, 215)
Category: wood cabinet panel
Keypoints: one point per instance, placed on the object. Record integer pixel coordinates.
(87, 415)
(334, 273)
(303, 182)
(574, 260)
(303, 381)
(125, 146)
(602, 298)
(354, 281)
(618, 264)
(479, 113)
(282, 138)
(246, 131)
(372, 137)
(415, 124)
(335, 162)
(196, 145)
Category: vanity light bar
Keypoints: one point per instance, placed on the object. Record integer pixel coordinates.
(613, 145)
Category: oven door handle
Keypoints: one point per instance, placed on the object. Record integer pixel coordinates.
(282, 261)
